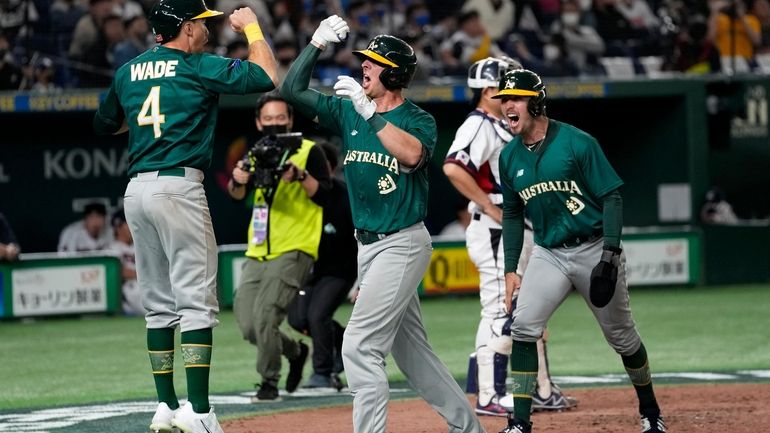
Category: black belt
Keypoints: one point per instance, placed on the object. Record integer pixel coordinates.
(176, 171)
(571, 243)
(477, 215)
(366, 237)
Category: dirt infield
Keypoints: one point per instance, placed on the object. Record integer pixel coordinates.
(737, 408)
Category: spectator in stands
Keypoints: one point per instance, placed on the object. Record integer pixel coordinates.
(761, 10)
(469, 43)
(495, 15)
(138, 40)
(237, 49)
(716, 209)
(86, 32)
(9, 246)
(693, 52)
(554, 63)
(455, 230)
(618, 34)
(286, 19)
(44, 73)
(362, 30)
(127, 9)
(10, 73)
(582, 43)
(64, 16)
(416, 33)
(285, 53)
(746, 33)
(88, 234)
(16, 16)
(123, 248)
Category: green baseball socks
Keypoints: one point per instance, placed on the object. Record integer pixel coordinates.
(196, 352)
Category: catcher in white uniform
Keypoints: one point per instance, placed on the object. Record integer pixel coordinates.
(472, 166)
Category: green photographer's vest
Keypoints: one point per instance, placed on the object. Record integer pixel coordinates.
(294, 221)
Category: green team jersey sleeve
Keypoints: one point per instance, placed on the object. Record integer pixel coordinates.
(597, 172)
(513, 211)
(295, 88)
(109, 117)
(232, 76)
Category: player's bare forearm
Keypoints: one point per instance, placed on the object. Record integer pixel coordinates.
(512, 284)
(261, 54)
(467, 186)
(405, 147)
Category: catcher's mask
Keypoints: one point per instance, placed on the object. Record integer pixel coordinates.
(395, 55)
(523, 82)
(167, 16)
(486, 73)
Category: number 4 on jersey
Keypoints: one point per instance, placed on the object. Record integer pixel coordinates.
(150, 112)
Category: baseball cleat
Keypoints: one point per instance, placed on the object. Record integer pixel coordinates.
(516, 425)
(161, 421)
(492, 409)
(557, 401)
(653, 424)
(190, 422)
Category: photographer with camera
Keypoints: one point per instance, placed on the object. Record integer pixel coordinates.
(290, 183)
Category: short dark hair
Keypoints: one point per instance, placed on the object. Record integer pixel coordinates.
(467, 16)
(118, 218)
(272, 97)
(95, 207)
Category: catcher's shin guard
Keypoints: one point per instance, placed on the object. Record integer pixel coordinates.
(501, 373)
(472, 385)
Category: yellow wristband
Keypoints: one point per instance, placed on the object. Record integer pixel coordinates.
(253, 33)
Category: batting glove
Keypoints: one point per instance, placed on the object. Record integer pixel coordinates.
(347, 86)
(604, 277)
(331, 30)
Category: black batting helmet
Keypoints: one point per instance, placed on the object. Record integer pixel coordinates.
(523, 82)
(395, 55)
(167, 16)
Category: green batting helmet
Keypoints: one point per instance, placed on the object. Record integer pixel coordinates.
(167, 16)
(395, 55)
(523, 82)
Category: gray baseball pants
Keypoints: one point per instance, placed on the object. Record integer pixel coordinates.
(176, 252)
(550, 278)
(386, 319)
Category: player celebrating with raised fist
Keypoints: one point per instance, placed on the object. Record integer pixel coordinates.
(472, 166)
(387, 143)
(167, 98)
(560, 175)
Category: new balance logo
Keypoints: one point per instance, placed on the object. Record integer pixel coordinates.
(520, 172)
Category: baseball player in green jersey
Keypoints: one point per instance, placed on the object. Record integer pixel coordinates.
(387, 142)
(167, 98)
(560, 175)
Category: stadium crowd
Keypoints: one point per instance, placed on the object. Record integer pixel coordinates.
(49, 45)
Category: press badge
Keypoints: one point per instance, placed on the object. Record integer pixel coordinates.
(259, 224)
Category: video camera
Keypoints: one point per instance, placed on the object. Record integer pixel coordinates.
(267, 158)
